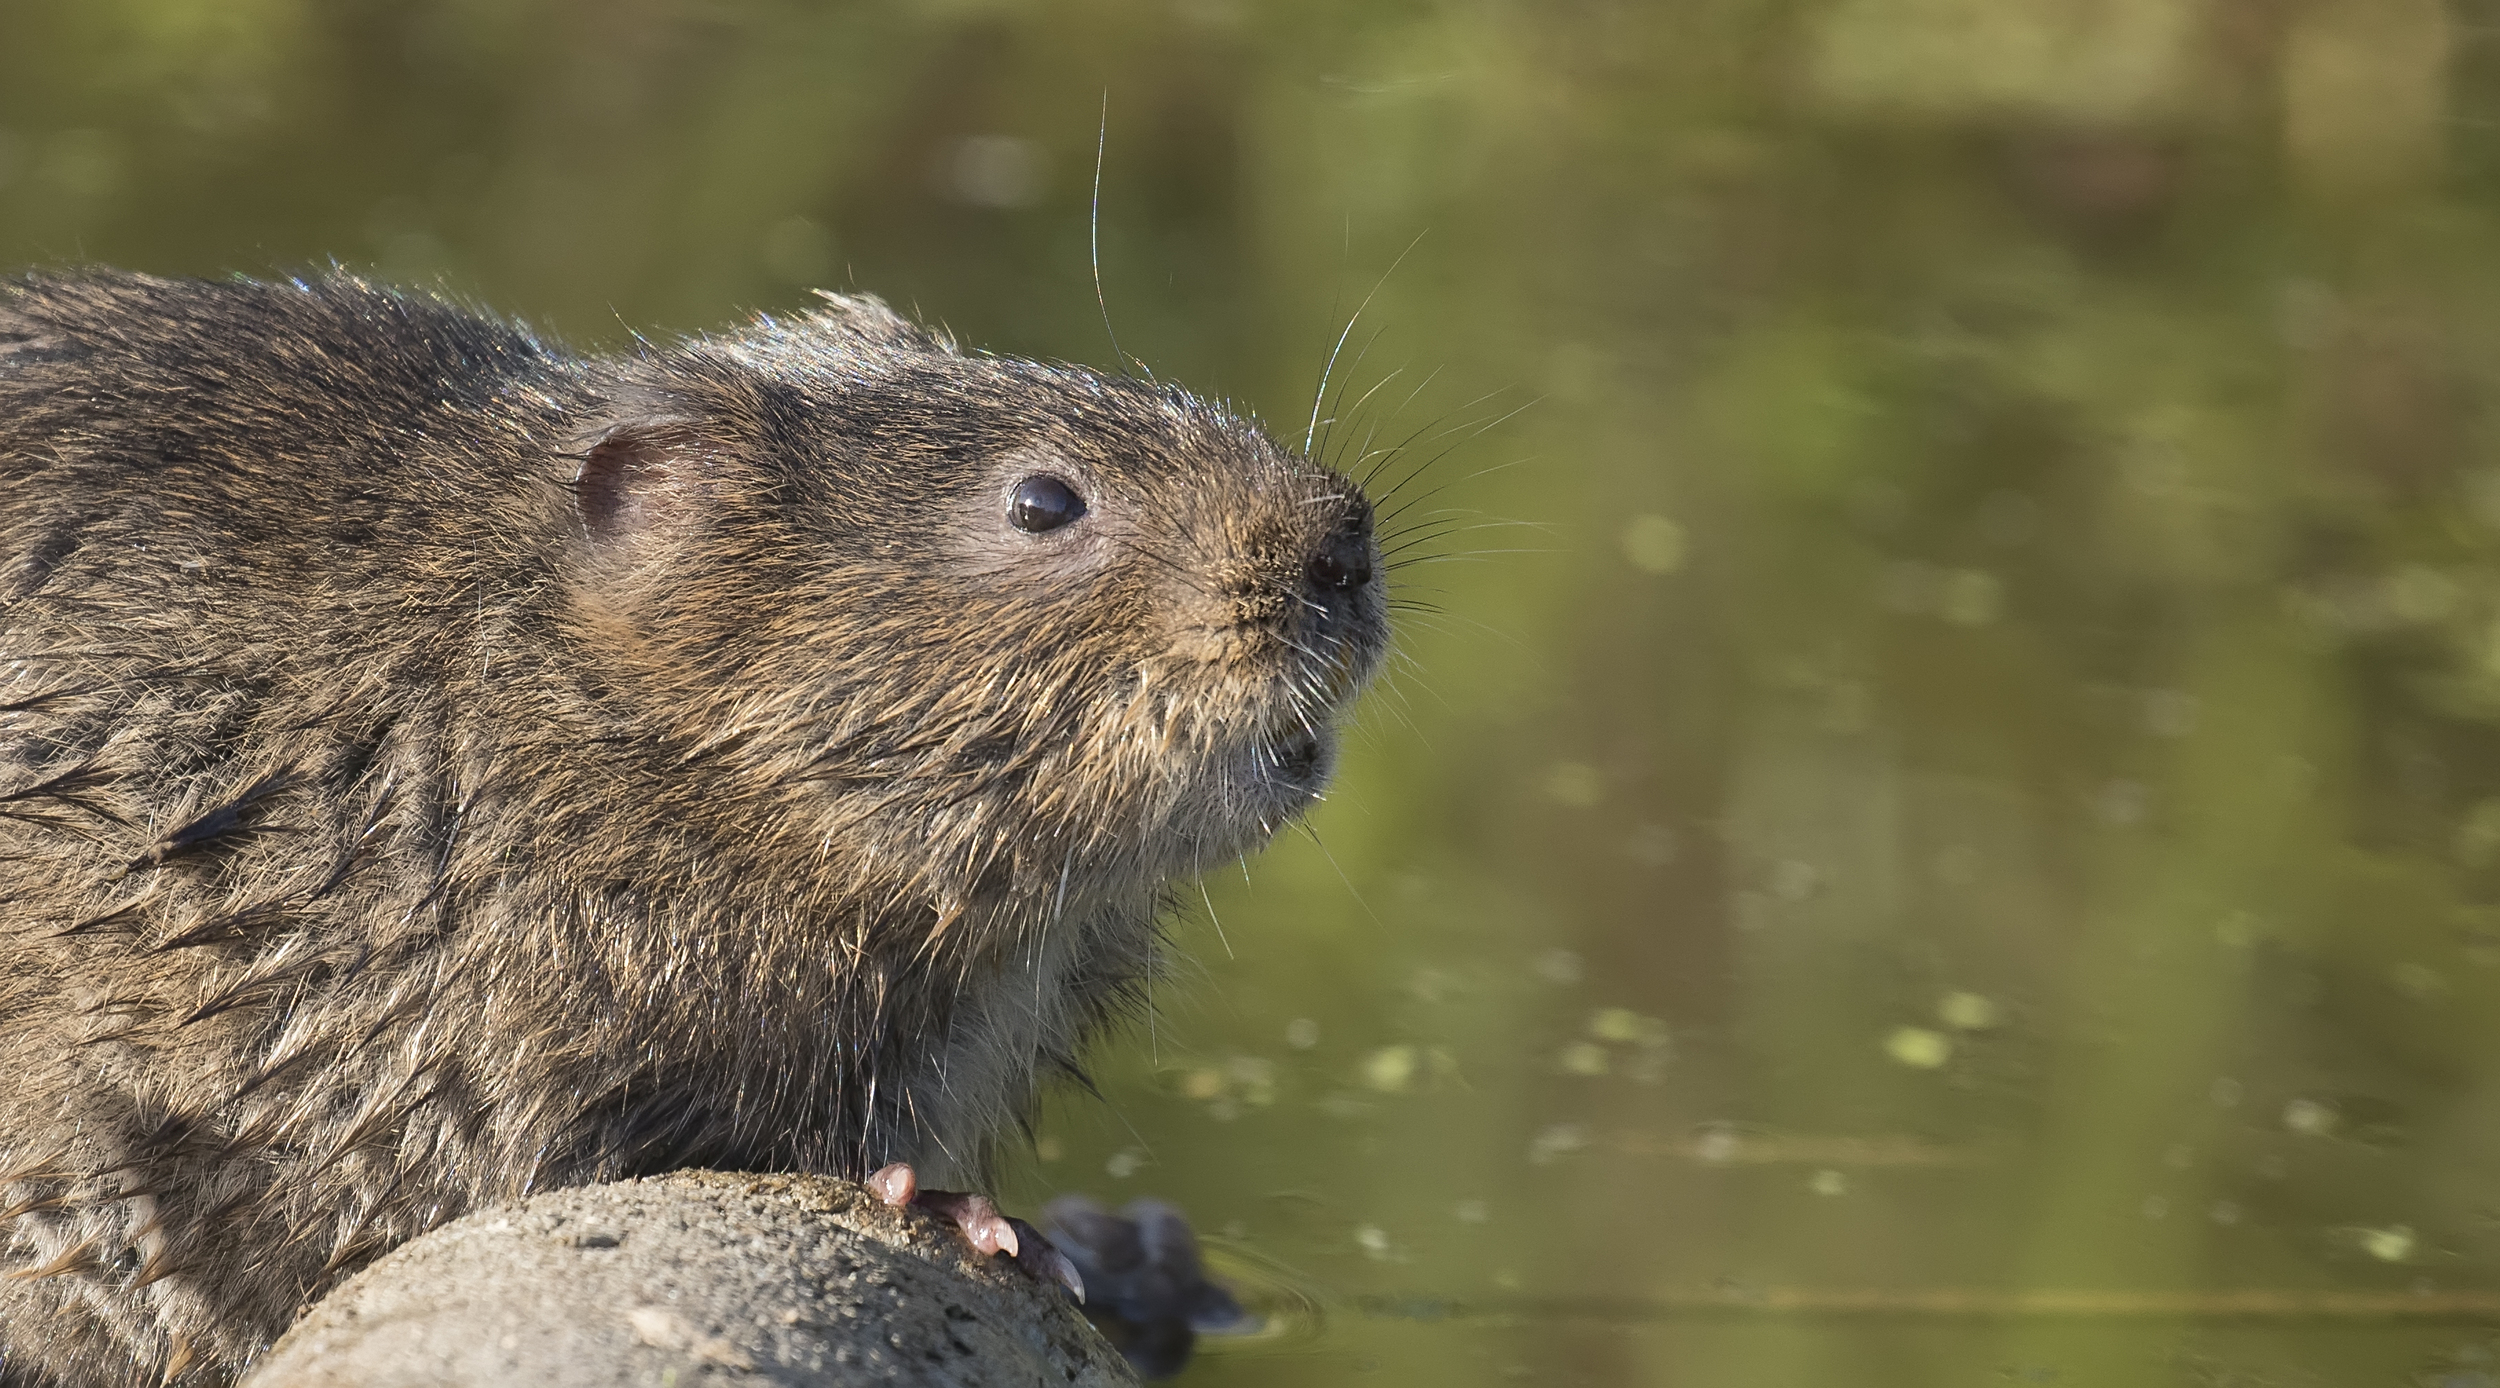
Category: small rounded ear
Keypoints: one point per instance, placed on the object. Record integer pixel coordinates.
(638, 479)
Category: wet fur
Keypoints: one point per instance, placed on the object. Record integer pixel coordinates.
(435, 767)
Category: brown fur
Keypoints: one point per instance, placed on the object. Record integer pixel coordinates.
(435, 768)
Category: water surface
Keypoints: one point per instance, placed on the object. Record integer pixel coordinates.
(1939, 818)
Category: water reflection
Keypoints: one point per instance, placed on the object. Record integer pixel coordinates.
(1949, 831)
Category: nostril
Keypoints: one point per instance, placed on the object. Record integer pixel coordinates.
(1346, 562)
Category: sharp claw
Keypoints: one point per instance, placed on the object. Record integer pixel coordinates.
(896, 1184)
(983, 1227)
(989, 1232)
(1042, 1260)
(1067, 1275)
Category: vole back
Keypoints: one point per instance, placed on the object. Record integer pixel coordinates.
(435, 767)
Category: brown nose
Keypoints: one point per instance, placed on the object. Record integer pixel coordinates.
(1344, 559)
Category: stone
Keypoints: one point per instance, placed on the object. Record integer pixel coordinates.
(693, 1278)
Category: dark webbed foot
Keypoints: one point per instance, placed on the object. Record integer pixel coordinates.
(988, 1231)
(1151, 1297)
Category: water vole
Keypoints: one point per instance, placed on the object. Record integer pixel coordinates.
(435, 767)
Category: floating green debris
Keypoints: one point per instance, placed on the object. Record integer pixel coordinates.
(1651, 1046)
(1574, 783)
(1391, 1069)
(1253, 1079)
(1654, 544)
(1919, 1048)
(1559, 966)
(2310, 1118)
(1970, 598)
(2393, 1244)
(2419, 594)
(1967, 1012)
(1243, 1079)
(1559, 1140)
(2170, 712)
(1625, 1025)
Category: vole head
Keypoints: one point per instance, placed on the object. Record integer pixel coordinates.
(984, 625)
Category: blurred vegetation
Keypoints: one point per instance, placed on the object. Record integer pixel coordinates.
(1945, 825)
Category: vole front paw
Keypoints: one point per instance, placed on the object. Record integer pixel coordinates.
(988, 1231)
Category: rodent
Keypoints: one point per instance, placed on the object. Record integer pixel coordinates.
(436, 767)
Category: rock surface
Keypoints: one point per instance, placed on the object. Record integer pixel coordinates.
(693, 1278)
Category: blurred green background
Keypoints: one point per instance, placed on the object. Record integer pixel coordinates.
(1942, 825)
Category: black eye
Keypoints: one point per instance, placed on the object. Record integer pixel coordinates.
(1043, 503)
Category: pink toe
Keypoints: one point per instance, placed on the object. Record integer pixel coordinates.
(992, 1234)
(895, 1184)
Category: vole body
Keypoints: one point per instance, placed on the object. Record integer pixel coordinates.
(435, 767)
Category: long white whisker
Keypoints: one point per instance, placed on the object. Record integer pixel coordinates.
(1321, 398)
(1102, 139)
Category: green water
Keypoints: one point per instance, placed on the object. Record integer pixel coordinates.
(1942, 825)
